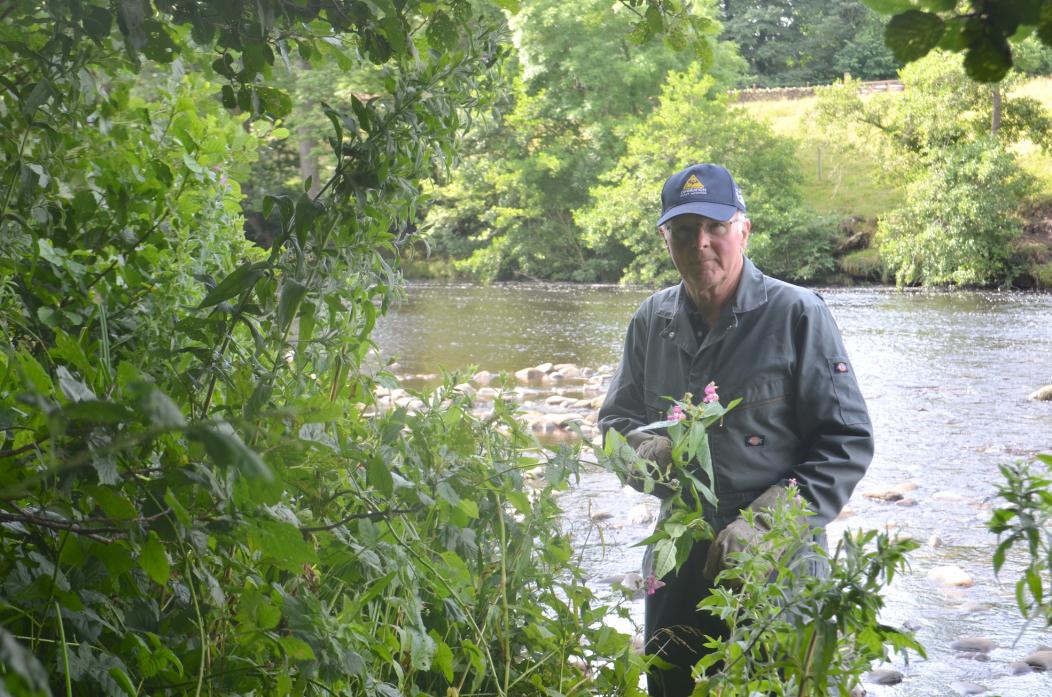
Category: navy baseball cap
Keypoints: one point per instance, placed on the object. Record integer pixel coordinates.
(707, 190)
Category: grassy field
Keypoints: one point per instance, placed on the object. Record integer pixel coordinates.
(850, 185)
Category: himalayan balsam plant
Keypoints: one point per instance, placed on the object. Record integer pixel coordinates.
(681, 522)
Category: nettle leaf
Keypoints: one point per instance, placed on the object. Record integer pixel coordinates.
(296, 649)
(154, 561)
(911, 35)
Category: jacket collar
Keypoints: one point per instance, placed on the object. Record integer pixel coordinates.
(751, 294)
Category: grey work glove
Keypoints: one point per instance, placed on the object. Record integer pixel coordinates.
(740, 535)
(657, 449)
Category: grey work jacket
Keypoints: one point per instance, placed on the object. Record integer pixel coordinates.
(776, 347)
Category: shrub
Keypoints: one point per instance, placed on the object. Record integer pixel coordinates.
(692, 125)
(959, 220)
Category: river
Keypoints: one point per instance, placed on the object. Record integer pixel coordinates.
(946, 376)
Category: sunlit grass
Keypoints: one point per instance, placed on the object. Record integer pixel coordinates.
(849, 184)
(831, 182)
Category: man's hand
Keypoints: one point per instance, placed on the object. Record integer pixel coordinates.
(657, 449)
(740, 535)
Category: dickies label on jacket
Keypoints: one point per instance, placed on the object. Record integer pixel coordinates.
(755, 441)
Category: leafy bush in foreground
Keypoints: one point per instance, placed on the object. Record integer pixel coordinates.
(198, 494)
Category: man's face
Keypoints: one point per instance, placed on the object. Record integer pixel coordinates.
(707, 253)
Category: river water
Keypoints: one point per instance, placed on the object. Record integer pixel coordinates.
(946, 377)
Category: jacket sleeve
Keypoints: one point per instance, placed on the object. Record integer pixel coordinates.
(833, 422)
(624, 408)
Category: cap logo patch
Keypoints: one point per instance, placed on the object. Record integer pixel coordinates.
(840, 367)
(754, 441)
(693, 186)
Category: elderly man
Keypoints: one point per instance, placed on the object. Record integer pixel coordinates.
(772, 344)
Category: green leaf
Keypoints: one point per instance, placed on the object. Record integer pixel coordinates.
(227, 449)
(123, 681)
(470, 508)
(296, 649)
(97, 22)
(888, 7)
(443, 658)
(154, 561)
(937, 5)
(99, 412)
(655, 22)
(379, 476)
(113, 503)
(239, 281)
(158, 408)
(911, 35)
(988, 59)
(180, 512)
(74, 389)
(307, 211)
(292, 292)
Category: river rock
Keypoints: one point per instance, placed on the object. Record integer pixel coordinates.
(601, 515)
(528, 375)
(973, 644)
(1039, 660)
(883, 495)
(883, 676)
(640, 514)
(483, 378)
(1042, 394)
(972, 656)
(949, 496)
(906, 502)
(845, 513)
(557, 399)
(1019, 668)
(486, 393)
(968, 688)
(950, 576)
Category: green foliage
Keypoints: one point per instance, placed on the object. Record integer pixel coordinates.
(980, 30)
(1026, 521)
(811, 626)
(801, 42)
(197, 492)
(507, 210)
(957, 223)
(691, 125)
(863, 263)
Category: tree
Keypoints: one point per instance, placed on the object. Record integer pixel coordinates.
(507, 211)
(793, 42)
(692, 125)
(981, 29)
(199, 491)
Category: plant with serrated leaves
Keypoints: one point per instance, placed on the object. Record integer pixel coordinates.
(198, 491)
(1026, 521)
(686, 482)
(800, 622)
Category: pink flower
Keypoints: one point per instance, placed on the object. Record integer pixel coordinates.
(676, 413)
(710, 394)
(652, 584)
(792, 481)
